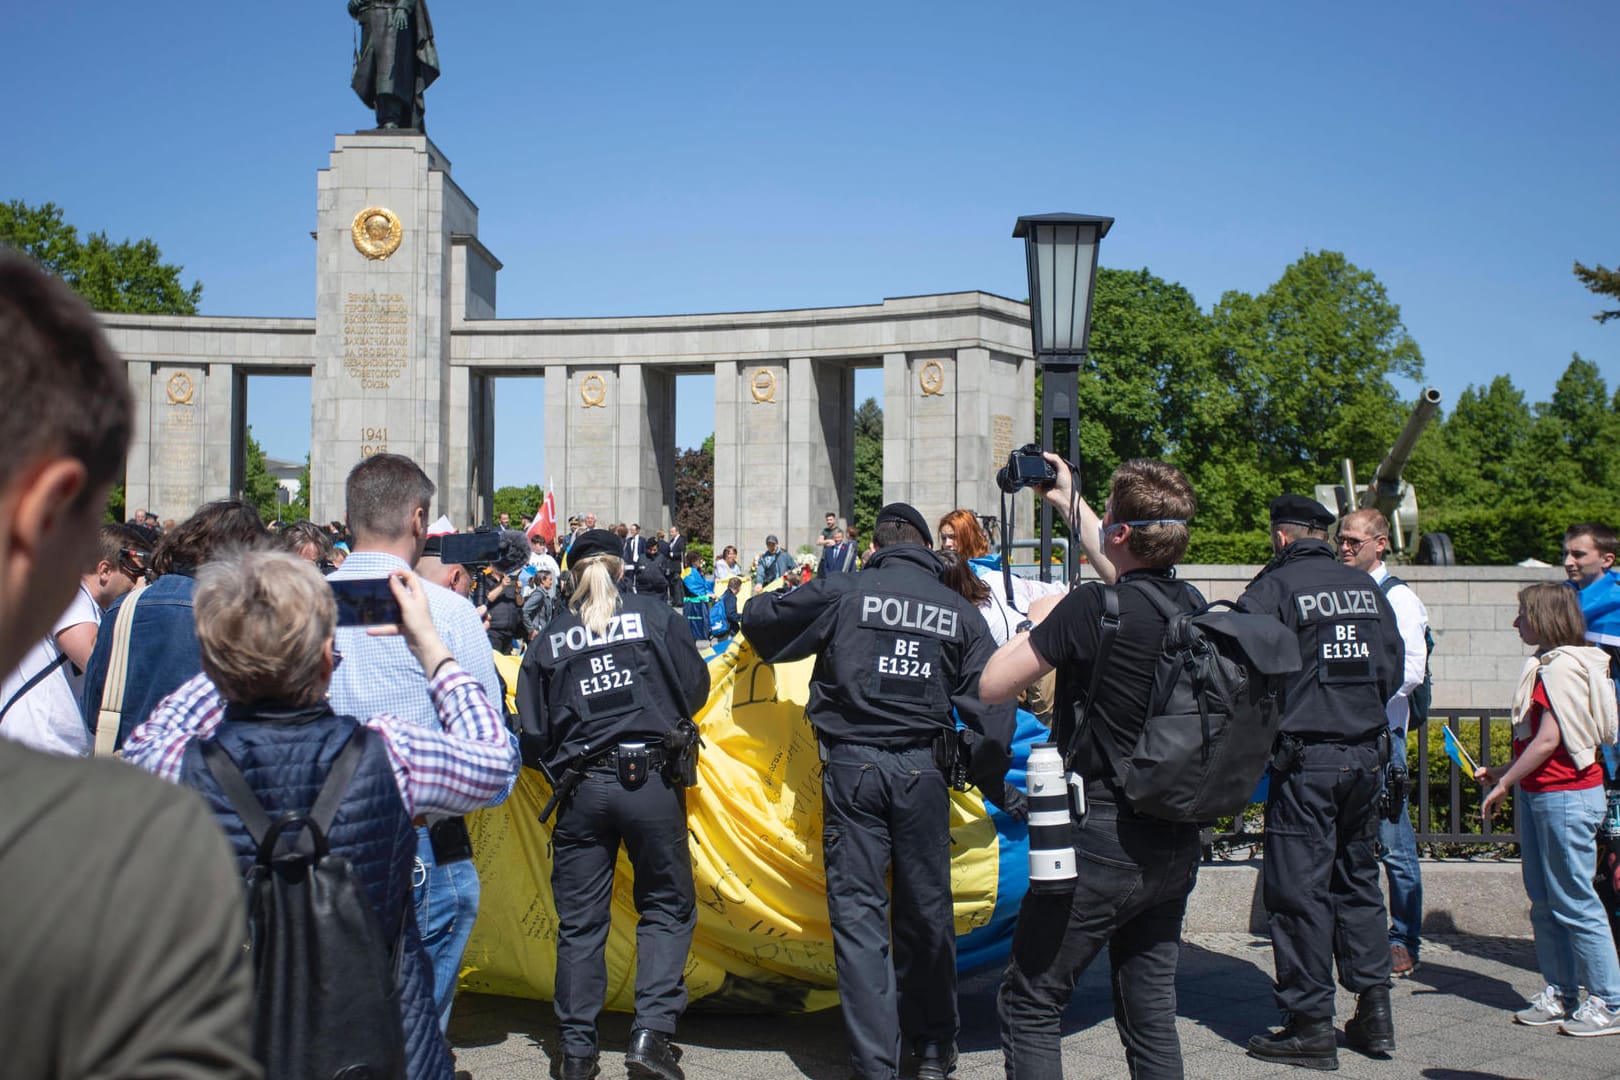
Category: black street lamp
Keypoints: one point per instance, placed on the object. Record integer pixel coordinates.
(1061, 253)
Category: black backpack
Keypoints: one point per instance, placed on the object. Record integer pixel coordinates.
(1213, 715)
(325, 977)
(1422, 694)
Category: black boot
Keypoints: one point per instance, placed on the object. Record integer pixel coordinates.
(1307, 1043)
(935, 1061)
(579, 1068)
(652, 1057)
(1372, 1029)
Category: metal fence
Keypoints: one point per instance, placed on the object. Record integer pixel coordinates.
(1464, 793)
(1458, 822)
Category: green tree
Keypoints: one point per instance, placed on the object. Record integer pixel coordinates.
(1147, 347)
(1602, 281)
(258, 486)
(298, 508)
(694, 493)
(1298, 378)
(868, 464)
(1572, 440)
(127, 276)
(515, 502)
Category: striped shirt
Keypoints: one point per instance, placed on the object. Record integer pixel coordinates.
(459, 764)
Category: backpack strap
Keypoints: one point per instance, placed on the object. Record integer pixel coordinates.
(1108, 623)
(38, 677)
(111, 716)
(248, 807)
(237, 790)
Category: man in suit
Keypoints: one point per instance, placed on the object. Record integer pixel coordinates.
(634, 547)
(837, 557)
(675, 548)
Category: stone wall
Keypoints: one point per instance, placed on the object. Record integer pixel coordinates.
(1477, 653)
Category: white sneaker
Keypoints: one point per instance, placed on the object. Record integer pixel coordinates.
(1594, 1017)
(1545, 1008)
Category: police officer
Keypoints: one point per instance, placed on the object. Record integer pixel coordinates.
(1321, 845)
(895, 651)
(606, 695)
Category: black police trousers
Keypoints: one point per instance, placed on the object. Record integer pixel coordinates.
(1320, 877)
(883, 807)
(651, 822)
(1130, 894)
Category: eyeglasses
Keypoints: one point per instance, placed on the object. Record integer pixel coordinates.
(337, 658)
(1353, 543)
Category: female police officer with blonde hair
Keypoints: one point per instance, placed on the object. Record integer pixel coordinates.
(606, 696)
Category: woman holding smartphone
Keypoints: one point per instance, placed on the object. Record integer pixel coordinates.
(1563, 709)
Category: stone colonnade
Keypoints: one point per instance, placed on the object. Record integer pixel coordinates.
(405, 345)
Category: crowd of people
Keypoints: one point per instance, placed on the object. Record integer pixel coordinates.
(273, 733)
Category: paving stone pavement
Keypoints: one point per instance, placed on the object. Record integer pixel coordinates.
(1452, 1022)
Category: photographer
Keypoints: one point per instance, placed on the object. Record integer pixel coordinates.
(1138, 870)
(503, 611)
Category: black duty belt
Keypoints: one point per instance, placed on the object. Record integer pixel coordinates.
(1337, 740)
(895, 748)
(608, 760)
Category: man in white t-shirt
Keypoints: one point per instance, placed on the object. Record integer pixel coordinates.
(41, 697)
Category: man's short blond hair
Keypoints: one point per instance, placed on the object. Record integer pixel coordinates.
(263, 621)
(1369, 518)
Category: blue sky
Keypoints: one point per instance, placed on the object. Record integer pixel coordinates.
(640, 158)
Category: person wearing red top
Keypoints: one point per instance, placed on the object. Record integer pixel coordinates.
(1562, 805)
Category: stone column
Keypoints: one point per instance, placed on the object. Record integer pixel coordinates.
(729, 397)
(647, 420)
(194, 438)
(896, 429)
(820, 434)
(761, 434)
(138, 489)
(559, 421)
(607, 443)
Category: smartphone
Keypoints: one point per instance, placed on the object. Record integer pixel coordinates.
(459, 549)
(365, 602)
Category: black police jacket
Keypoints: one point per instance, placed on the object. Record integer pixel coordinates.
(1349, 647)
(577, 690)
(895, 651)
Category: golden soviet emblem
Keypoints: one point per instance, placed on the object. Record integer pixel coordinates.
(376, 232)
(180, 388)
(763, 386)
(593, 391)
(931, 377)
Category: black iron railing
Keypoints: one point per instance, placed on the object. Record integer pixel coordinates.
(1441, 828)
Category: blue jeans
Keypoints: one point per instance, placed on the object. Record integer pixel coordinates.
(446, 900)
(1401, 866)
(1573, 945)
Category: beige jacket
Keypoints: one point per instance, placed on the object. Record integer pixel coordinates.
(1577, 681)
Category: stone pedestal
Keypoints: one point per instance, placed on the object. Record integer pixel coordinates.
(387, 213)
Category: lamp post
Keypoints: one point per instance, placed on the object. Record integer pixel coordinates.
(1061, 254)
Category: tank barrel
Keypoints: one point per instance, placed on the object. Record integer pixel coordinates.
(1386, 481)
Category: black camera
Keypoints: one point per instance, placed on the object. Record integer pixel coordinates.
(1025, 468)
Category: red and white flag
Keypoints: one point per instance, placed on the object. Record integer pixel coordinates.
(545, 520)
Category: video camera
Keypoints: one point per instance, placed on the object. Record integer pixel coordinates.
(486, 547)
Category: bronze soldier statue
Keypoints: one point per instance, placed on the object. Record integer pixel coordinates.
(396, 61)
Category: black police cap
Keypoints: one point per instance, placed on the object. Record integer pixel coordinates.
(907, 513)
(434, 546)
(1299, 510)
(595, 542)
